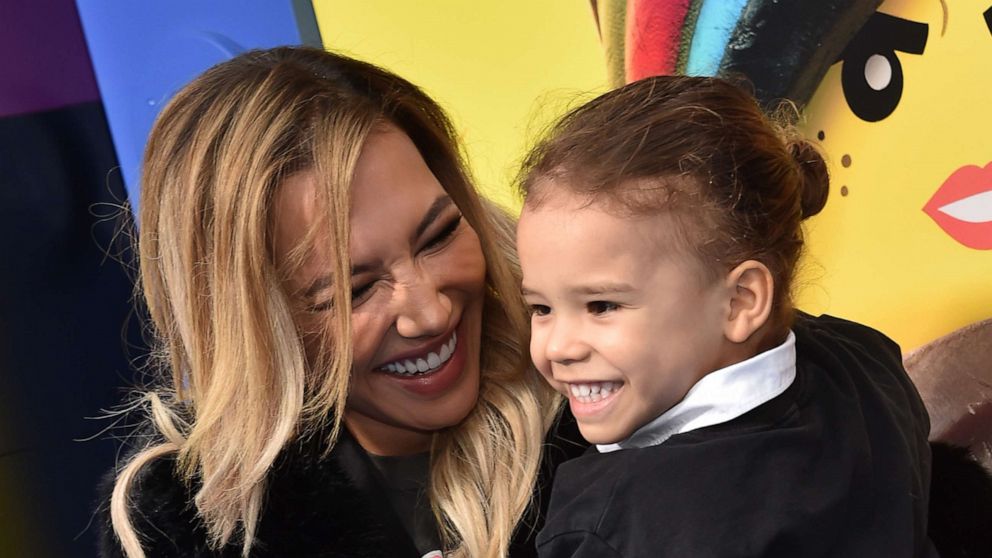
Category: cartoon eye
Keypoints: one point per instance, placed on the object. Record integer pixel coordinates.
(871, 74)
(873, 86)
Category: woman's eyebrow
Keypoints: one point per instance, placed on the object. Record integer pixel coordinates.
(440, 204)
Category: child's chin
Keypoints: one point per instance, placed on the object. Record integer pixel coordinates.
(600, 434)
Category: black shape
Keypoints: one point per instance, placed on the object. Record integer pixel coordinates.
(988, 18)
(786, 47)
(883, 35)
(960, 503)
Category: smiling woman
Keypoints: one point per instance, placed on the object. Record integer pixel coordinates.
(417, 282)
(340, 324)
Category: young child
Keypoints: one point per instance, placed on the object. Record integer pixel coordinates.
(658, 240)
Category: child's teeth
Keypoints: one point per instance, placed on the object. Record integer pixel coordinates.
(592, 392)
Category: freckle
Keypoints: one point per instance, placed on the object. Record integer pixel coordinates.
(845, 160)
(843, 190)
(820, 135)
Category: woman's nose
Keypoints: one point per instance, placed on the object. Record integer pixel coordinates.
(424, 310)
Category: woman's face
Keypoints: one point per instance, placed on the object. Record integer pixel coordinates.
(417, 284)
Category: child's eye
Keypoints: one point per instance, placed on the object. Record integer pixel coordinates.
(539, 310)
(444, 234)
(601, 306)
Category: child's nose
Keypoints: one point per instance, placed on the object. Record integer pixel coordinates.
(423, 308)
(565, 342)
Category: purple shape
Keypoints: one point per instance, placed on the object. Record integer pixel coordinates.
(44, 63)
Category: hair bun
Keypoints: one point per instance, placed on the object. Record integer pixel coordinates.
(815, 180)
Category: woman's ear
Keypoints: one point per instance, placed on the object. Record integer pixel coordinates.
(751, 288)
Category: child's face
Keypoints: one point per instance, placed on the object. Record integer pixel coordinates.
(623, 321)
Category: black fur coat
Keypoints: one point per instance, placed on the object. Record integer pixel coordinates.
(328, 508)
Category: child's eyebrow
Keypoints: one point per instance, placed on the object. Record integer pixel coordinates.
(591, 289)
(603, 288)
(524, 291)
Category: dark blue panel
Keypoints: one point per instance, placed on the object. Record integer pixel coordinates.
(143, 52)
(66, 322)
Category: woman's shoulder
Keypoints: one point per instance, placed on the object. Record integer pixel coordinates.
(315, 504)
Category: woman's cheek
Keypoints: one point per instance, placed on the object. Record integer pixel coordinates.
(367, 335)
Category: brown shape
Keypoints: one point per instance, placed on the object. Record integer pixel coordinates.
(954, 377)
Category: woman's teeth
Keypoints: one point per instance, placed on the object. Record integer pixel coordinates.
(593, 392)
(428, 363)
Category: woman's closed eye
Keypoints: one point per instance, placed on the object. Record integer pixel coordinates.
(445, 234)
(359, 294)
(600, 307)
(320, 306)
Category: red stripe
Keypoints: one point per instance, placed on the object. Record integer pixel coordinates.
(654, 31)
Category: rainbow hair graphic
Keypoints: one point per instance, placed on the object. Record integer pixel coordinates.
(783, 48)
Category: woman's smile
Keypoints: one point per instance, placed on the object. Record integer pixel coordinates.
(430, 374)
(419, 363)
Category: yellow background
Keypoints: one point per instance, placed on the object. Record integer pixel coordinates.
(502, 69)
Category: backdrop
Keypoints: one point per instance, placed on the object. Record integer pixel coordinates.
(894, 92)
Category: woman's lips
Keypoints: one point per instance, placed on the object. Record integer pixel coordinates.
(962, 206)
(435, 382)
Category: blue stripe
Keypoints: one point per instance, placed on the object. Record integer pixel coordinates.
(717, 19)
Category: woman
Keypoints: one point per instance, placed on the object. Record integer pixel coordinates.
(340, 323)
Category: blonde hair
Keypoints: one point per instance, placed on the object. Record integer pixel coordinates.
(240, 385)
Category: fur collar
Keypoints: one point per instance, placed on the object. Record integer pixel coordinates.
(328, 508)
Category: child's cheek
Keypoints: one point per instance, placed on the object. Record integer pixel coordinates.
(538, 340)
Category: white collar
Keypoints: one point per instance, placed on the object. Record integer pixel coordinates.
(720, 396)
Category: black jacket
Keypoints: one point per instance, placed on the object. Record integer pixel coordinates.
(328, 508)
(838, 465)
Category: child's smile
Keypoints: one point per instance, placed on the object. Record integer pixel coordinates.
(623, 323)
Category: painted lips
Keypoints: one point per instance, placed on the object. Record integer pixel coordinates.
(438, 381)
(962, 206)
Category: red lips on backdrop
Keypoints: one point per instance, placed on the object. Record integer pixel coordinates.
(962, 206)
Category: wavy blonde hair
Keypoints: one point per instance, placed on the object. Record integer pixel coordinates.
(238, 385)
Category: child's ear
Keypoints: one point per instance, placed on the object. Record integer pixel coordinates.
(750, 288)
